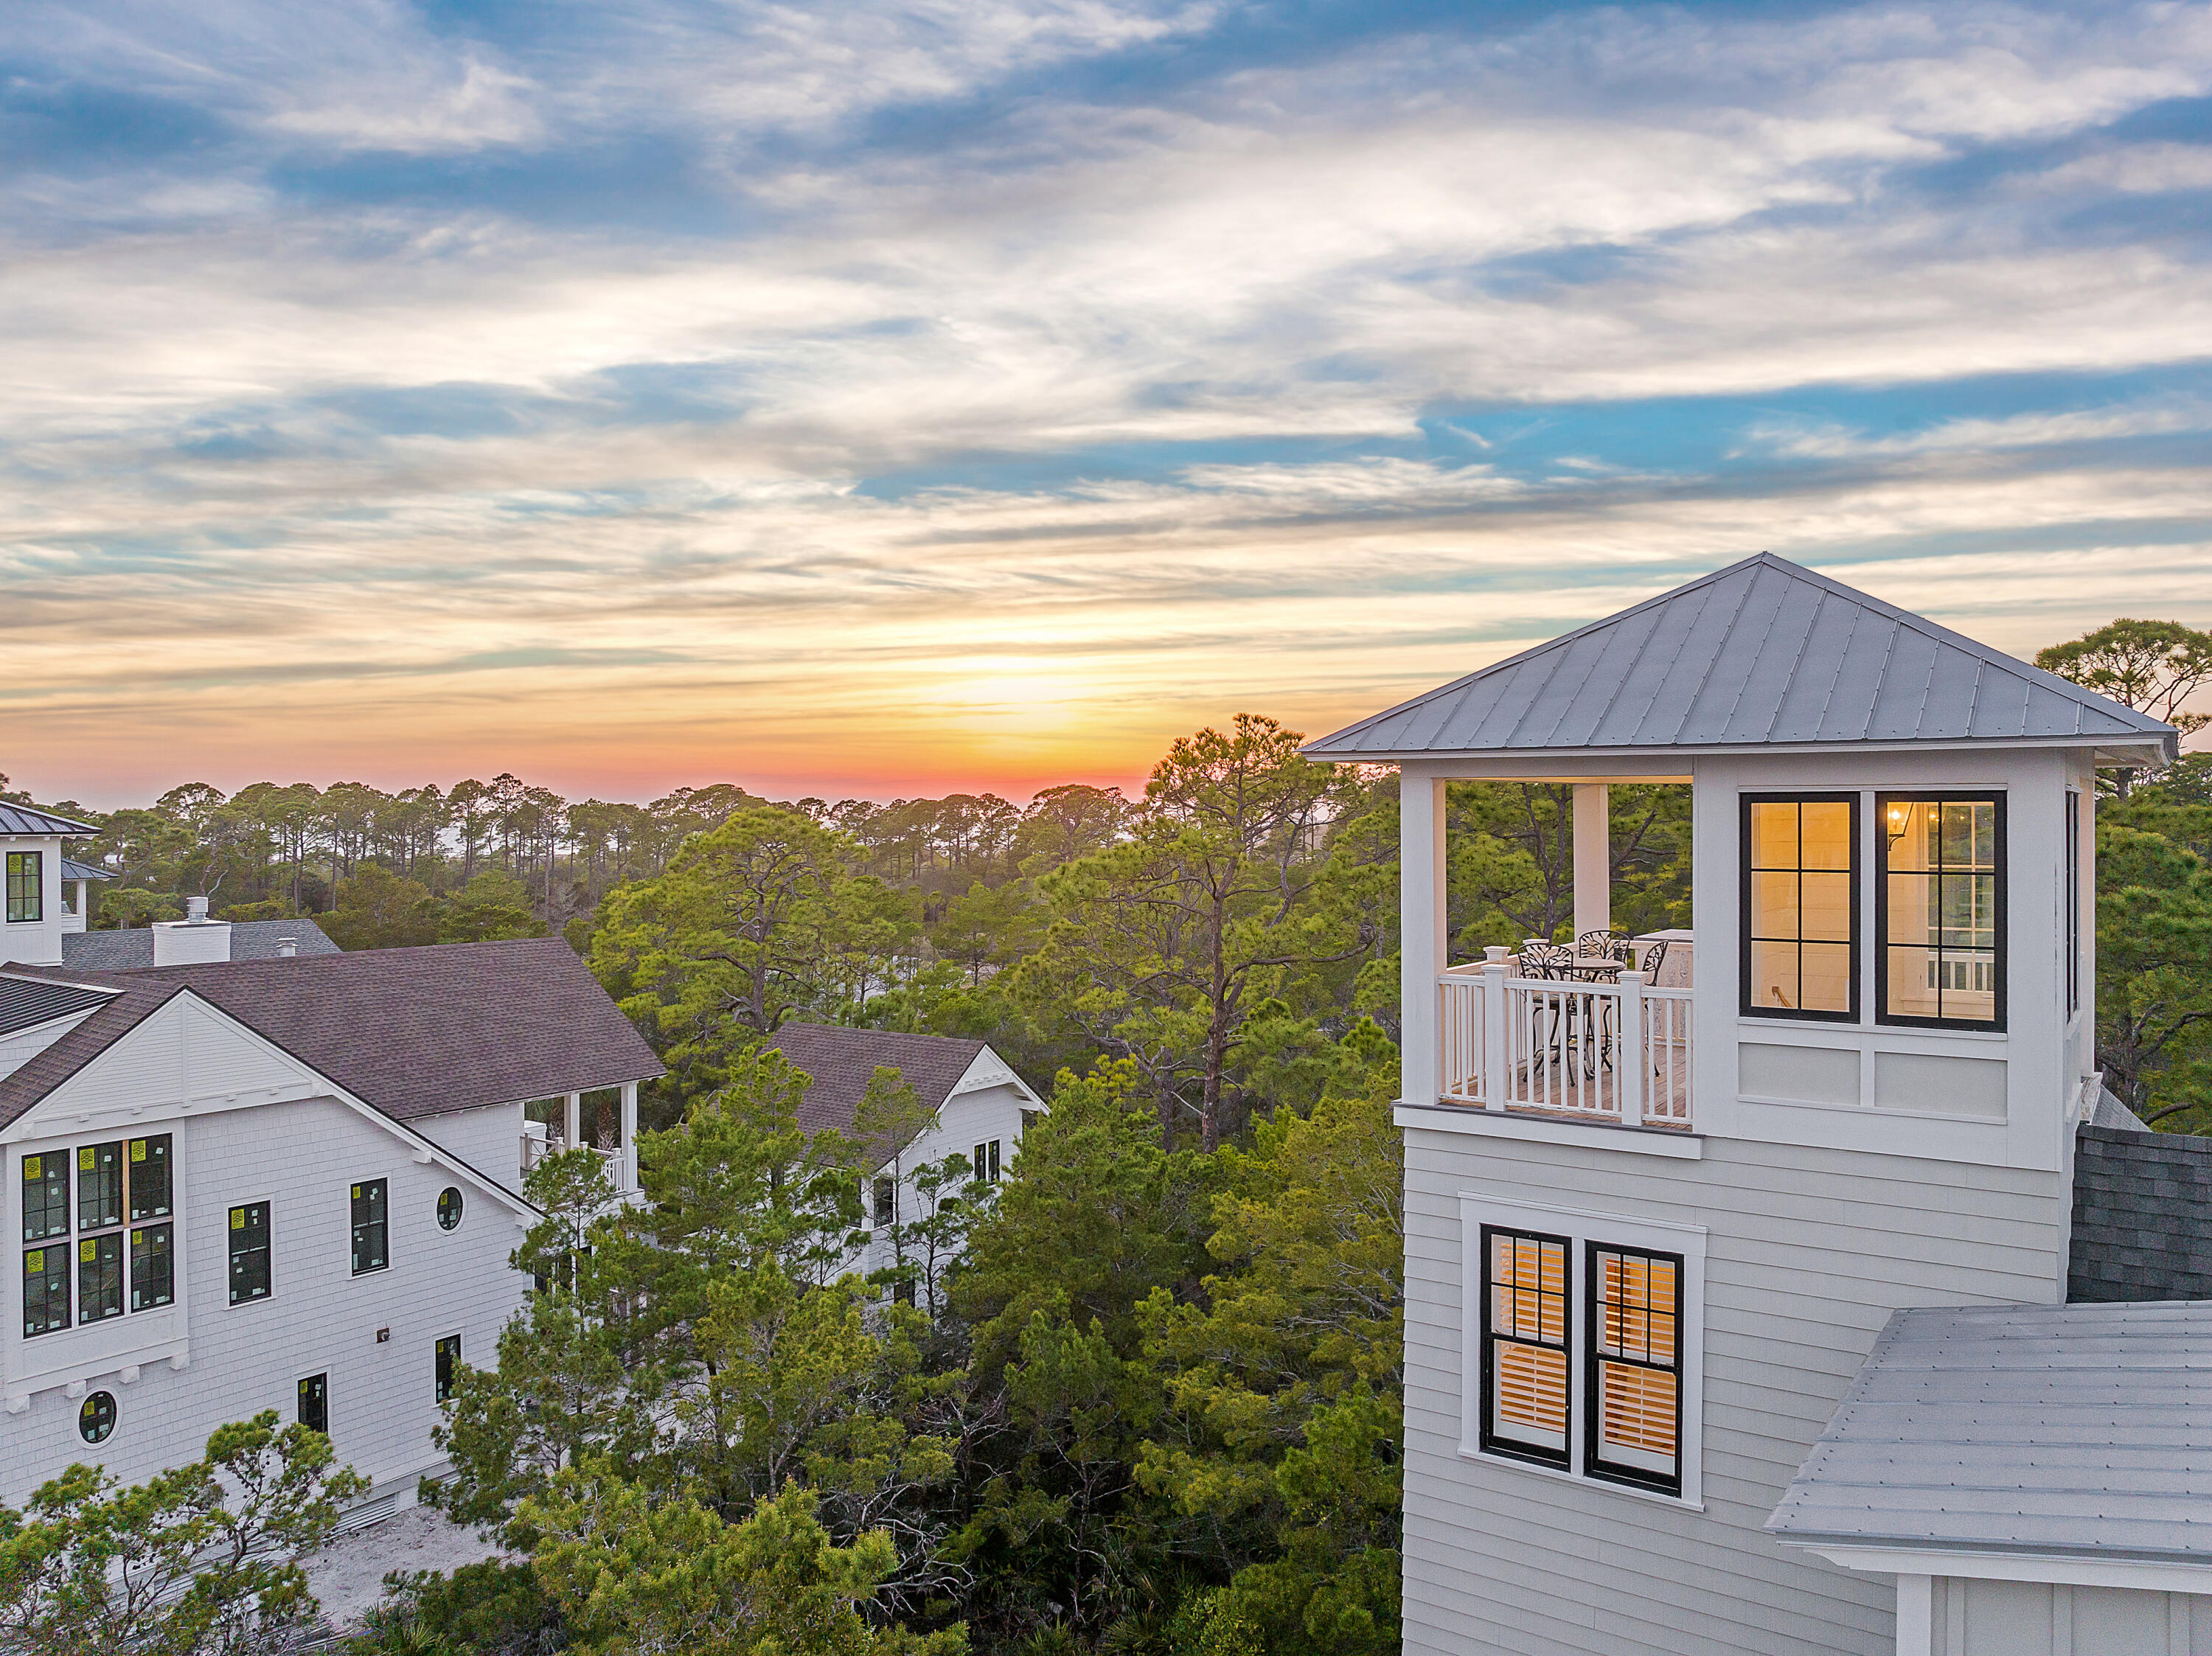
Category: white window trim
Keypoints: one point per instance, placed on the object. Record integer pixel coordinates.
(1582, 1227)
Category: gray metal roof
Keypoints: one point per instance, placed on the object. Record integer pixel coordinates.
(73, 870)
(2078, 1429)
(1760, 653)
(26, 1002)
(29, 819)
(131, 947)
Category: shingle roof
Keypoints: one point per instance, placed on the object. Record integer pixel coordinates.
(73, 870)
(29, 819)
(26, 1002)
(2072, 1429)
(410, 1031)
(2142, 1215)
(1760, 653)
(132, 946)
(842, 1062)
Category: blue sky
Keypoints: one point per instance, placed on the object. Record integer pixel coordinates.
(879, 398)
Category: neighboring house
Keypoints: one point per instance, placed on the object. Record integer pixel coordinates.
(1736, 1309)
(77, 882)
(281, 1183)
(43, 901)
(971, 1103)
(192, 941)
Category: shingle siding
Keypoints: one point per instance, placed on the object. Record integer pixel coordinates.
(2143, 1216)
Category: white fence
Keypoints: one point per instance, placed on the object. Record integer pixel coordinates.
(1618, 1052)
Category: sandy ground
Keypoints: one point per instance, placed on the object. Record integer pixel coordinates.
(348, 1576)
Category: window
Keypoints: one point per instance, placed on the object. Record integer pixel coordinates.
(99, 1185)
(1801, 937)
(249, 1252)
(27, 886)
(886, 1202)
(46, 1289)
(96, 1419)
(46, 1196)
(449, 1209)
(2073, 901)
(315, 1409)
(369, 1227)
(150, 1186)
(1524, 1345)
(448, 1359)
(1633, 1369)
(986, 1161)
(152, 1274)
(1940, 942)
(99, 1277)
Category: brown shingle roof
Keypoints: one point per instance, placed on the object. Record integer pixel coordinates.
(410, 1032)
(841, 1063)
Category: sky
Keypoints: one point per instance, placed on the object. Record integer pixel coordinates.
(875, 399)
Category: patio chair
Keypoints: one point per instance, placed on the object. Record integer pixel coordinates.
(1606, 942)
(1649, 965)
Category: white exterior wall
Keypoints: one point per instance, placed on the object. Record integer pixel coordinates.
(1808, 1253)
(36, 943)
(1972, 1617)
(968, 1118)
(488, 1139)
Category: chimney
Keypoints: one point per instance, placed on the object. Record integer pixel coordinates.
(196, 911)
(287, 947)
(193, 941)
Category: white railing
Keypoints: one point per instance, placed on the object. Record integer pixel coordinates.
(1618, 1052)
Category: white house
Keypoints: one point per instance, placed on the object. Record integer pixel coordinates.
(42, 902)
(1654, 1231)
(287, 1183)
(974, 1105)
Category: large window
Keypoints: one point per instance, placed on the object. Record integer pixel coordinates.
(1633, 1367)
(26, 885)
(1524, 1345)
(249, 1252)
(85, 1259)
(1801, 937)
(370, 1227)
(1940, 910)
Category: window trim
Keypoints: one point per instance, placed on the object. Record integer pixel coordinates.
(36, 905)
(382, 1200)
(268, 1248)
(1615, 1472)
(1743, 940)
(1584, 1226)
(1492, 1443)
(2073, 885)
(1883, 1017)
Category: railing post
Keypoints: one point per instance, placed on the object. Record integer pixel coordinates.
(1497, 1058)
(1628, 1069)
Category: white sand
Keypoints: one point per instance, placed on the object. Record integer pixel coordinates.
(348, 1576)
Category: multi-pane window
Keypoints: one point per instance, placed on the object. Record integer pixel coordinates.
(314, 1405)
(45, 1289)
(46, 1196)
(1524, 1345)
(1634, 1367)
(1801, 906)
(886, 1202)
(152, 1269)
(74, 1206)
(371, 1227)
(99, 1186)
(99, 1277)
(449, 1208)
(1940, 910)
(448, 1359)
(26, 885)
(986, 1161)
(151, 1191)
(249, 1252)
(2073, 901)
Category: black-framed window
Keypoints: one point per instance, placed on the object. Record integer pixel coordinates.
(886, 1194)
(153, 1267)
(986, 1161)
(1632, 1367)
(45, 1196)
(448, 1359)
(99, 1186)
(1940, 910)
(27, 886)
(1800, 943)
(2073, 900)
(313, 1408)
(449, 1208)
(99, 1277)
(1525, 1407)
(152, 1187)
(46, 1289)
(249, 1252)
(371, 1227)
(95, 1418)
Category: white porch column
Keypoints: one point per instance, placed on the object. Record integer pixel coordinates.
(1420, 930)
(572, 1121)
(630, 1135)
(1593, 860)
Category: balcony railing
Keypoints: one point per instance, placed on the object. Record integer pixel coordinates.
(1613, 1052)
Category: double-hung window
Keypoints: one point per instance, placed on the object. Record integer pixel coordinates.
(986, 1161)
(1582, 1344)
(1940, 910)
(249, 1252)
(27, 886)
(371, 1227)
(1800, 906)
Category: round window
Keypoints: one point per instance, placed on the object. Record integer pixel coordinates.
(449, 1208)
(97, 1418)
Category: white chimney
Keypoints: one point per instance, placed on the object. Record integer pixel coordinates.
(193, 941)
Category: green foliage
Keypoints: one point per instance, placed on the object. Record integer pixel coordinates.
(1510, 851)
(495, 1608)
(200, 1559)
(2152, 666)
(2155, 976)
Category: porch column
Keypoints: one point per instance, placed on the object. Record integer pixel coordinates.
(572, 1121)
(630, 1135)
(1593, 860)
(1421, 930)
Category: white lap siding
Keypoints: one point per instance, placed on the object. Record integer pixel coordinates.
(302, 1158)
(1808, 1251)
(490, 1139)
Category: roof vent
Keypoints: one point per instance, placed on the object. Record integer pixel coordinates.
(196, 911)
(287, 947)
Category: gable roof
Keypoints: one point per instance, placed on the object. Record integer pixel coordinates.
(2081, 1429)
(841, 1063)
(410, 1032)
(128, 949)
(29, 819)
(1761, 653)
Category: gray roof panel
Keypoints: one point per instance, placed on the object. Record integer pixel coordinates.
(2077, 1430)
(128, 949)
(29, 819)
(73, 870)
(1758, 654)
(26, 1002)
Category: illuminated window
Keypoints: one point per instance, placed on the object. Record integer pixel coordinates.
(1634, 1368)
(1801, 939)
(1940, 864)
(1524, 1345)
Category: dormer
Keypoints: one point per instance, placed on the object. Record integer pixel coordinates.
(1893, 852)
(35, 917)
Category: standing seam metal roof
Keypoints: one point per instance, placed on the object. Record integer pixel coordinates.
(1761, 652)
(26, 1002)
(2077, 1430)
(29, 819)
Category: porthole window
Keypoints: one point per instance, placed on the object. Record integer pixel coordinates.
(97, 1418)
(449, 1208)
